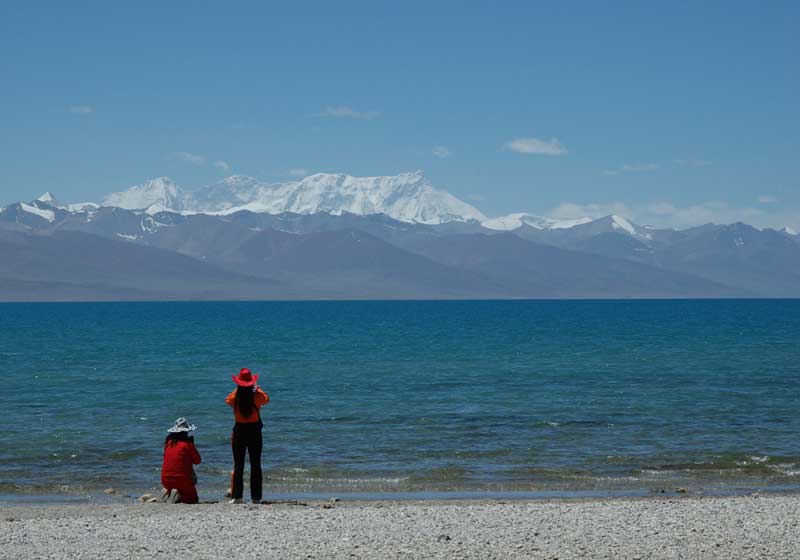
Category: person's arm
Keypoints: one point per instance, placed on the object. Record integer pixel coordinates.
(230, 400)
(261, 397)
(195, 453)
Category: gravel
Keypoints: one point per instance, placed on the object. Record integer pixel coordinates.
(684, 527)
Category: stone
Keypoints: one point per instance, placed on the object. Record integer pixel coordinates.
(109, 491)
(444, 538)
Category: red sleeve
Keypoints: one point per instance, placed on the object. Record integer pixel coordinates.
(195, 454)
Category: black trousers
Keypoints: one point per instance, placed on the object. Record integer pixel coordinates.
(247, 438)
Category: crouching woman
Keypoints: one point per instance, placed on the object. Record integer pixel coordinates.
(177, 472)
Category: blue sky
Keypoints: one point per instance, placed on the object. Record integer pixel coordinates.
(670, 114)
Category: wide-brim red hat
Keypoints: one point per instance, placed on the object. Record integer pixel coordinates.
(245, 378)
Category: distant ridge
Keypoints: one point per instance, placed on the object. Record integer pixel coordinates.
(334, 236)
(406, 197)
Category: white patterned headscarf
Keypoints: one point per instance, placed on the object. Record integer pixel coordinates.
(182, 425)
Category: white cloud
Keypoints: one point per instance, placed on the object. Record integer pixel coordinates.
(570, 210)
(441, 152)
(664, 214)
(650, 166)
(344, 112)
(194, 159)
(200, 160)
(767, 199)
(81, 109)
(298, 172)
(634, 167)
(550, 147)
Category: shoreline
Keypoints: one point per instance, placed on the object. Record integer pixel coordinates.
(343, 501)
(410, 300)
(753, 526)
(127, 496)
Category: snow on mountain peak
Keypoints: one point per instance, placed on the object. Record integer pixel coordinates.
(789, 231)
(48, 198)
(407, 197)
(611, 223)
(566, 224)
(48, 215)
(618, 222)
(230, 192)
(517, 220)
(153, 196)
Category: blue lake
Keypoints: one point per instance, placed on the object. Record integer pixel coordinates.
(496, 398)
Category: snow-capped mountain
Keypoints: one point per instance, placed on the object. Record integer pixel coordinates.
(230, 193)
(408, 197)
(49, 199)
(517, 220)
(610, 223)
(156, 195)
(614, 224)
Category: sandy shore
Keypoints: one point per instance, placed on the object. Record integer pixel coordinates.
(735, 527)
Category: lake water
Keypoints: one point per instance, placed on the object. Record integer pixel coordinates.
(516, 398)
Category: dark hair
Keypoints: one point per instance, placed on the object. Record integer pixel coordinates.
(244, 400)
(173, 438)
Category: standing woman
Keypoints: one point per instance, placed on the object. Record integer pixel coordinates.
(246, 401)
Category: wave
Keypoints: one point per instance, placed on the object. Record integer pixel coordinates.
(732, 466)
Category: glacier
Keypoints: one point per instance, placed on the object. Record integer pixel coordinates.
(407, 197)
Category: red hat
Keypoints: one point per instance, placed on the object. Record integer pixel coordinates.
(245, 378)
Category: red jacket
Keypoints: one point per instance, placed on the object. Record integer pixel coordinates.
(179, 456)
(260, 398)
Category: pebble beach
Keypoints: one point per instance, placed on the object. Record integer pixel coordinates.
(755, 526)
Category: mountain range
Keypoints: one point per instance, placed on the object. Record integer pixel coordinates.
(407, 197)
(334, 236)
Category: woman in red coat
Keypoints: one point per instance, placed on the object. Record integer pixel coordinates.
(177, 472)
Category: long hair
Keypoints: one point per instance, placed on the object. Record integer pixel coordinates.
(244, 400)
(174, 438)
